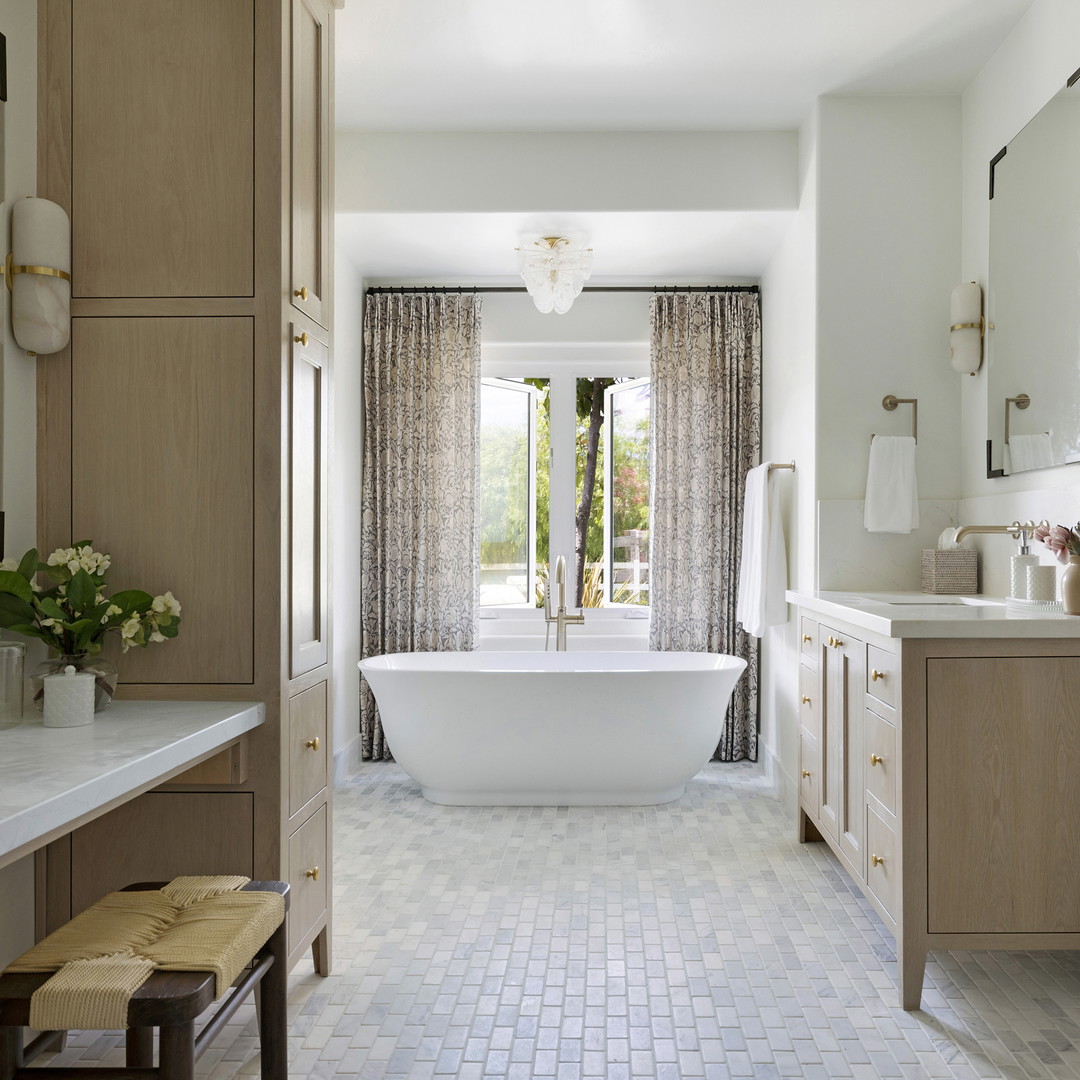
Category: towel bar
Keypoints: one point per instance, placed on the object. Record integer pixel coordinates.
(889, 403)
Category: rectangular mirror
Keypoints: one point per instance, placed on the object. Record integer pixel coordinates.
(1033, 294)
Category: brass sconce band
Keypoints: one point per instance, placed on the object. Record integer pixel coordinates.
(11, 269)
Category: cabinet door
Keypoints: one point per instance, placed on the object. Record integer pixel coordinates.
(1003, 795)
(307, 746)
(309, 261)
(162, 123)
(843, 674)
(309, 519)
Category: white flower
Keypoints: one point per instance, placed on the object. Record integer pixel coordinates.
(74, 565)
(112, 610)
(157, 635)
(48, 622)
(61, 556)
(166, 603)
(130, 628)
(9, 564)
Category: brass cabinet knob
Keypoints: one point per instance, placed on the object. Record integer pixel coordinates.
(313, 744)
(313, 874)
(875, 760)
(303, 338)
(807, 638)
(806, 774)
(875, 674)
(301, 292)
(877, 860)
(805, 700)
(837, 643)
(831, 642)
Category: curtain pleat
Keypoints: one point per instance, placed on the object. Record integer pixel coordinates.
(419, 581)
(706, 394)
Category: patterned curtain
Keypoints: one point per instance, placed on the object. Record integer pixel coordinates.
(706, 400)
(419, 531)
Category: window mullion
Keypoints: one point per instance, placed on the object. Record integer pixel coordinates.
(563, 479)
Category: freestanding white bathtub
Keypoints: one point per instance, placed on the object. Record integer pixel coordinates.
(552, 729)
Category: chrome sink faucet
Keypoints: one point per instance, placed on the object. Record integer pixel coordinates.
(560, 618)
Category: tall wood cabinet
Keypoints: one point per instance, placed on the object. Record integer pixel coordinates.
(941, 773)
(185, 429)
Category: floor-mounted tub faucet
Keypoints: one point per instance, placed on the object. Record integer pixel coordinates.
(560, 618)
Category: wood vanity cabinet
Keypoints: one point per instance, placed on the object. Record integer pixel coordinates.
(941, 772)
(191, 143)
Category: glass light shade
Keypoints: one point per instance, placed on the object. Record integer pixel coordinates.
(554, 270)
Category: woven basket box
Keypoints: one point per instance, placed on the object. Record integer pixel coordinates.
(955, 571)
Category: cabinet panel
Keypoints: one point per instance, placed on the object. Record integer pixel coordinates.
(808, 700)
(882, 669)
(1003, 794)
(809, 773)
(309, 261)
(162, 174)
(309, 874)
(307, 746)
(881, 760)
(808, 636)
(882, 867)
(159, 836)
(169, 494)
(308, 548)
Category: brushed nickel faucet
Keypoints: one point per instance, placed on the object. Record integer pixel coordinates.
(1016, 530)
(560, 618)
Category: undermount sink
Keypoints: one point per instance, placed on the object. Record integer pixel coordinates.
(905, 599)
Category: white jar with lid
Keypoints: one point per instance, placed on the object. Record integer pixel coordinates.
(69, 698)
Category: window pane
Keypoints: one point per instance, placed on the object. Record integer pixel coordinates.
(543, 487)
(504, 494)
(590, 440)
(630, 415)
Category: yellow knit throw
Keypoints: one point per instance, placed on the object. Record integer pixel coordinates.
(105, 954)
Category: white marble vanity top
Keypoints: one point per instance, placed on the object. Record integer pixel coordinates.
(918, 615)
(53, 779)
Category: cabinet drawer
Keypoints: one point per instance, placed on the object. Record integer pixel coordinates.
(309, 874)
(307, 746)
(808, 637)
(881, 760)
(808, 700)
(809, 773)
(882, 867)
(882, 674)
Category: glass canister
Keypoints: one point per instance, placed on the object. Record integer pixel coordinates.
(12, 661)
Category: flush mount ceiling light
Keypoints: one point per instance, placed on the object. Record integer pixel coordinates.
(554, 268)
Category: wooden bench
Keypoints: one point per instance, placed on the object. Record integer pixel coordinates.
(170, 1001)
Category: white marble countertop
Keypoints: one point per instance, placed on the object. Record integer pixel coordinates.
(918, 615)
(54, 779)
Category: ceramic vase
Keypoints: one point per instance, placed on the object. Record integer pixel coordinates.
(1070, 586)
(104, 672)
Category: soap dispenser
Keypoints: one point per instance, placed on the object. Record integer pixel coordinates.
(1020, 563)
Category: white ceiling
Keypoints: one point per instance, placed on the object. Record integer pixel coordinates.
(626, 65)
(645, 65)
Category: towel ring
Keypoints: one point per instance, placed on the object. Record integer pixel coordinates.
(889, 403)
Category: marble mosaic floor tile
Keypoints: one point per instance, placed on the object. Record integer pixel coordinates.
(692, 940)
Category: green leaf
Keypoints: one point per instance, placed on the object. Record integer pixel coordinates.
(28, 564)
(59, 574)
(51, 609)
(81, 592)
(82, 631)
(99, 612)
(15, 585)
(130, 600)
(35, 632)
(170, 630)
(17, 608)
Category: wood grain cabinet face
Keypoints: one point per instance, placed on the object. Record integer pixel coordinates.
(307, 746)
(809, 716)
(309, 875)
(162, 174)
(310, 254)
(170, 496)
(809, 773)
(882, 868)
(309, 520)
(881, 761)
(882, 670)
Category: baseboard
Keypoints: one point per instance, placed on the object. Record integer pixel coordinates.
(347, 761)
(783, 784)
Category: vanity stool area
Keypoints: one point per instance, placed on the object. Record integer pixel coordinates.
(938, 744)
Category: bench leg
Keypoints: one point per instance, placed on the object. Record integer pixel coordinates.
(272, 1005)
(177, 1052)
(11, 1051)
(139, 1048)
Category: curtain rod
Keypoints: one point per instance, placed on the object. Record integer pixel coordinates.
(376, 289)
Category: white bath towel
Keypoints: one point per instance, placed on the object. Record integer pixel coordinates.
(892, 499)
(1029, 452)
(763, 572)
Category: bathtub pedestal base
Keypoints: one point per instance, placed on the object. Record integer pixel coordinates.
(553, 798)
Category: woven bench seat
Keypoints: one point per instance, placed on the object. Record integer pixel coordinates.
(169, 1000)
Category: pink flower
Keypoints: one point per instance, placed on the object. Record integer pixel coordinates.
(1058, 541)
(1041, 533)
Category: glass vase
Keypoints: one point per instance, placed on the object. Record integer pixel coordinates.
(104, 671)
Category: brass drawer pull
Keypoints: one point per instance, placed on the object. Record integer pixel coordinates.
(806, 774)
(301, 292)
(807, 638)
(877, 860)
(837, 643)
(314, 874)
(875, 760)
(313, 744)
(805, 700)
(302, 339)
(875, 674)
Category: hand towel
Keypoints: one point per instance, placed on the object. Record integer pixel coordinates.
(1029, 452)
(892, 500)
(763, 571)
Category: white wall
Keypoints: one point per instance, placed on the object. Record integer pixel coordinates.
(1027, 70)
(19, 23)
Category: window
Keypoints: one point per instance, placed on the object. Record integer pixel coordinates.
(564, 469)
